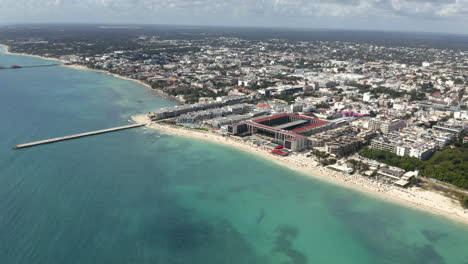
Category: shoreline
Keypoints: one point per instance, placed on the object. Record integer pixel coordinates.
(413, 198)
(85, 68)
(7, 51)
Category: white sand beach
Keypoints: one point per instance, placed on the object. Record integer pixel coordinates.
(413, 197)
(158, 91)
(84, 68)
(7, 51)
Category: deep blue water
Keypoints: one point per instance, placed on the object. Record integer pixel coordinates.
(139, 196)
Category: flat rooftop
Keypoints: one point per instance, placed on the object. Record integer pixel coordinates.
(292, 124)
(309, 127)
(269, 118)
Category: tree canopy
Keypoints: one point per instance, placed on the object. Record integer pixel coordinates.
(448, 165)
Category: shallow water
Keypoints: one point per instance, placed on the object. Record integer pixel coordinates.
(139, 196)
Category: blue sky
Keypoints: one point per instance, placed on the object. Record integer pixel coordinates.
(403, 15)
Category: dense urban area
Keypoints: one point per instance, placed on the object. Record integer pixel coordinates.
(392, 111)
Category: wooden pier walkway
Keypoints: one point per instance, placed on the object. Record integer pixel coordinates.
(52, 140)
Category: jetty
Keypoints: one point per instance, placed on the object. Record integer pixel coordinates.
(13, 67)
(92, 133)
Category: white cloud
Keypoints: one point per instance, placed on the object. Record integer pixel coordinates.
(434, 8)
(459, 8)
(245, 12)
(424, 8)
(29, 4)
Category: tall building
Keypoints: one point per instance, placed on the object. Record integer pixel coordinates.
(383, 144)
(390, 126)
(419, 150)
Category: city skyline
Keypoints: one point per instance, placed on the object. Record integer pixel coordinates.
(402, 15)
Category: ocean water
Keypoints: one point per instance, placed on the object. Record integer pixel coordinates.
(139, 196)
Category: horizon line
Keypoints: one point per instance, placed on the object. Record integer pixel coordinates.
(238, 27)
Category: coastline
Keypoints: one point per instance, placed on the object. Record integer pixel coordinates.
(414, 198)
(84, 68)
(7, 51)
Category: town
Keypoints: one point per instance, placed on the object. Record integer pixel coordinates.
(384, 111)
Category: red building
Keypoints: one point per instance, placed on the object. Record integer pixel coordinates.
(286, 129)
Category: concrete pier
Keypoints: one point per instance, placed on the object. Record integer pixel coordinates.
(16, 67)
(52, 140)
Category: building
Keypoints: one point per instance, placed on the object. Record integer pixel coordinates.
(402, 151)
(374, 124)
(455, 130)
(343, 146)
(390, 126)
(197, 116)
(395, 174)
(383, 144)
(285, 129)
(419, 150)
(386, 126)
(170, 112)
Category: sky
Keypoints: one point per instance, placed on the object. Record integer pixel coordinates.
(450, 16)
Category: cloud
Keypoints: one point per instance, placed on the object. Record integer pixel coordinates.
(29, 4)
(384, 13)
(458, 8)
(333, 8)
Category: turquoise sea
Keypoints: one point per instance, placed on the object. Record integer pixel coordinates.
(139, 196)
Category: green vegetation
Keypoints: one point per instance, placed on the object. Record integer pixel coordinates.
(322, 105)
(448, 165)
(461, 93)
(262, 84)
(384, 90)
(464, 201)
(323, 157)
(414, 95)
(288, 98)
(358, 165)
(320, 154)
(329, 162)
(406, 163)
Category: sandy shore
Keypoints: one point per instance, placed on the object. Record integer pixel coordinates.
(7, 51)
(412, 197)
(84, 68)
(159, 92)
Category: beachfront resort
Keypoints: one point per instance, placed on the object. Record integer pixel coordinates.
(391, 118)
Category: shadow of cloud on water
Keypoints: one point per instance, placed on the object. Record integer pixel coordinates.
(186, 238)
(377, 231)
(433, 236)
(283, 244)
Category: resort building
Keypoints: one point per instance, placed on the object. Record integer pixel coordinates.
(419, 150)
(386, 126)
(286, 129)
(383, 144)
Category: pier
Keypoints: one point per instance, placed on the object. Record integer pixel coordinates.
(92, 133)
(32, 66)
